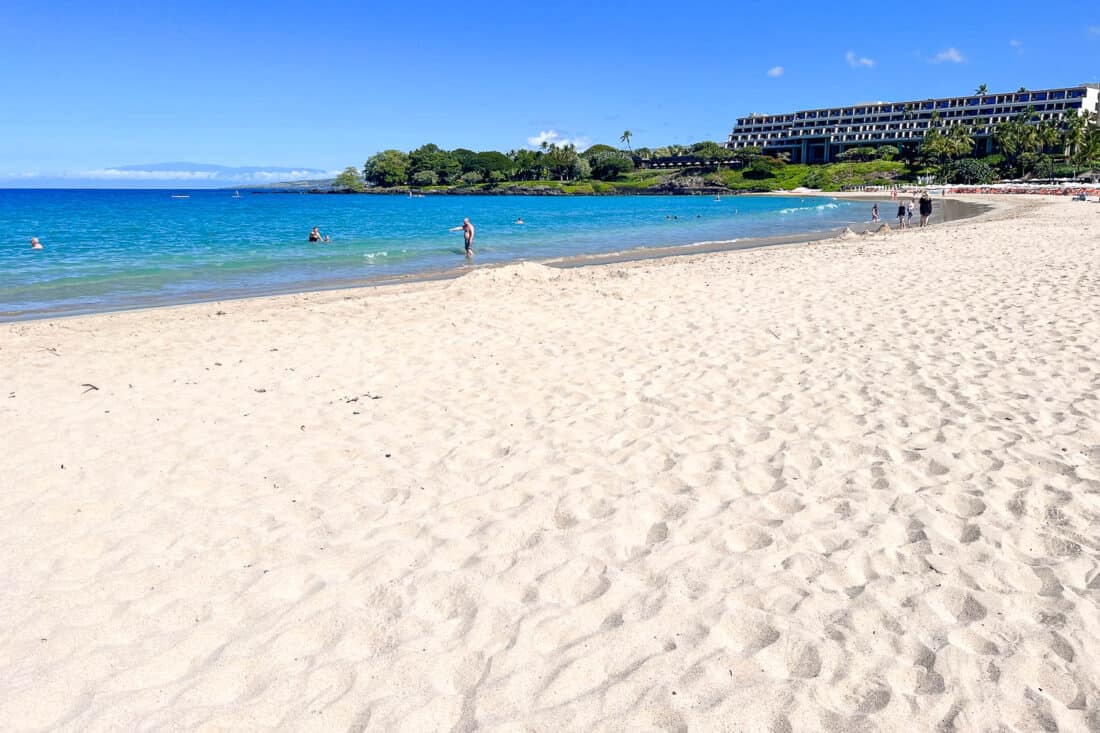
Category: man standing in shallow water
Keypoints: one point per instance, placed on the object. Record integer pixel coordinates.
(467, 234)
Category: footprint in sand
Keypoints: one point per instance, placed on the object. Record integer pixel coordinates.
(968, 505)
(747, 539)
(804, 662)
(746, 634)
(657, 533)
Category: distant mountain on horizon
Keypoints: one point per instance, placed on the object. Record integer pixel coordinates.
(178, 174)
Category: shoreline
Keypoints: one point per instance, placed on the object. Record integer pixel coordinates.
(958, 210)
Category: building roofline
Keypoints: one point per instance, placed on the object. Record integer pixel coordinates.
(916, 101)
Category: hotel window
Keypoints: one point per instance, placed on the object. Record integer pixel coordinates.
(1039, 97)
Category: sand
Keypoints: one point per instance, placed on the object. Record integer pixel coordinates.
(847, 486)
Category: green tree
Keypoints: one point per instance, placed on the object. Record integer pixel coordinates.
(886, 152)
(943, 145)
(711, 151)
(1075, 134)
(598, 150)
(960, 141)
(560, 159)
(625, 138)
(581, 169)
(610, 166)
(857, 154)
(431, 158)
(349, 180)
(1050, 138)
(388, 168)
(492, 160)
(466, 158)
(970, 170)
(425, 178)
(981, 90)
(1019, 140)
(527, 165)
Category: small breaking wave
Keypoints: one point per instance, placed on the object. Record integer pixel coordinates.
(800, 209)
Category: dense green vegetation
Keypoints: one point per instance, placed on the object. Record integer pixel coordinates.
(1026, 147)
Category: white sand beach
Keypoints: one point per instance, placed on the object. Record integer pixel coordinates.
(847, 486)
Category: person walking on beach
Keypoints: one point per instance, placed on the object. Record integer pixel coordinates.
(925, 208)
(35, 244)
(901, 214)
(874, 213)
(909, 212)
(468, 235)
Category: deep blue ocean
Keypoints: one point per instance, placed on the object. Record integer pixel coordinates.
(113, 249)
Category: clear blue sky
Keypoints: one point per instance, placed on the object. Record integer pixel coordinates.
(322, 85)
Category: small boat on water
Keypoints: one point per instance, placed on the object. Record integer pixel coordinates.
(180, 196)
(236, 194)
(717, 197)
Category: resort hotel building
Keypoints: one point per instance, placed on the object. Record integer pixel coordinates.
(819, 135)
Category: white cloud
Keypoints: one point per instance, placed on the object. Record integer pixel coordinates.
(560, 139)
(775, 71)
(857, 62)
(951, 55)
(1015, 44)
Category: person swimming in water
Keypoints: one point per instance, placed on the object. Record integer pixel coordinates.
(35, 244)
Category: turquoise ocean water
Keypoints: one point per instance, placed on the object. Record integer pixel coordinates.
(106, 250)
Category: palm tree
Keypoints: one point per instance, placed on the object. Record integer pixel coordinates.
(981, 90)
(1074, 135)
(961, 142)
(625, 138)
(1049, 137)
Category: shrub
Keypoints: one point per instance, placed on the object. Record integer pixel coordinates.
(472, 178)
(608, 167)
(425, 178)
(969, 170)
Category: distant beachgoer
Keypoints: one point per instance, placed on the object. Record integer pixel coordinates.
(519, 220)
(35, 244)
(467, 230)
(925, 208)
(909, 212)
(901, 215)
(315, 235)
(874, 213)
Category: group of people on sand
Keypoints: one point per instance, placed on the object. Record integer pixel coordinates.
(905, 211)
